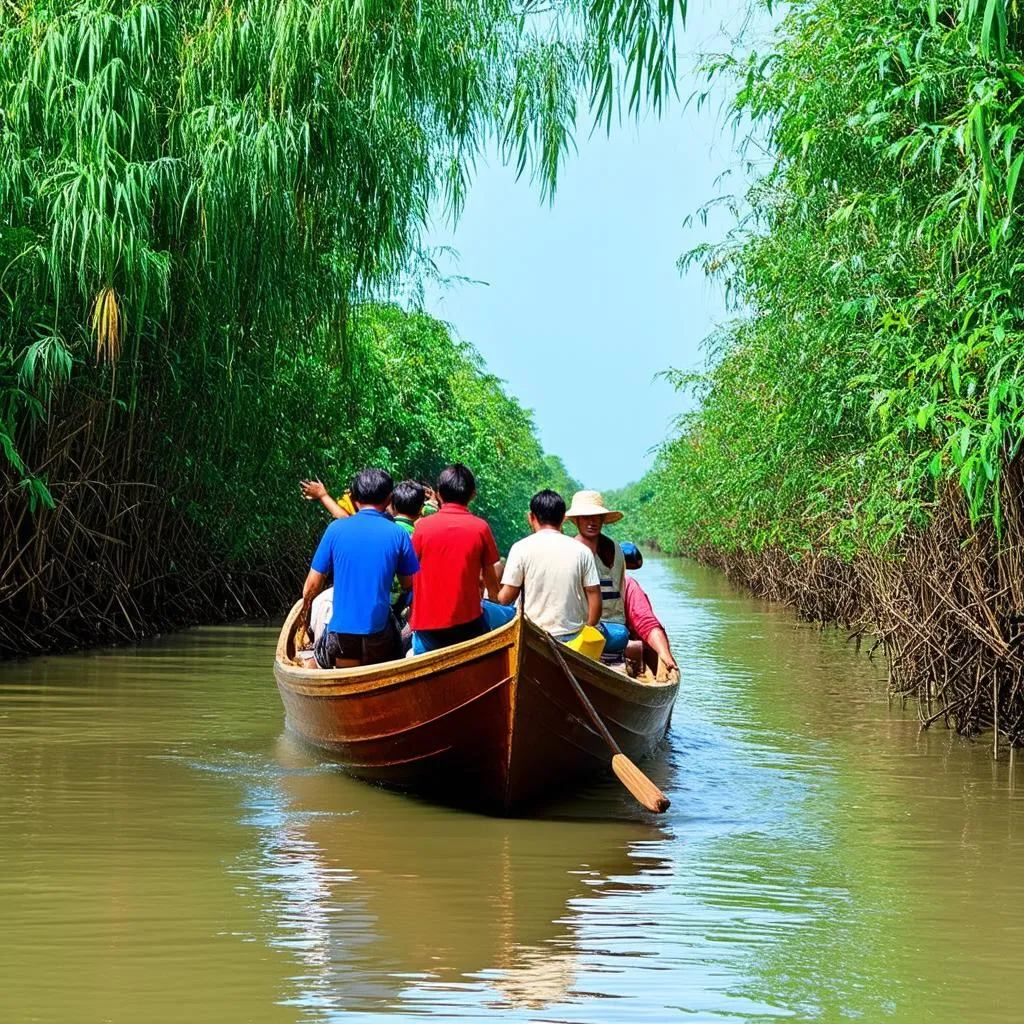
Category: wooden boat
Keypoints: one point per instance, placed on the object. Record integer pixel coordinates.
(491, 723)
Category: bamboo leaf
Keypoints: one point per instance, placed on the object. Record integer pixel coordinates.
(1011, 180)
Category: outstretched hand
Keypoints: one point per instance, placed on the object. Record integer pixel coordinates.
(312, 490)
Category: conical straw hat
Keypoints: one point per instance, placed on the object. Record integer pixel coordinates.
(591, 503)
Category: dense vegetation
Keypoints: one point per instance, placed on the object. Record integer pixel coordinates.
(213, 512)
(193, 199)
(412, 400)
(855, 442)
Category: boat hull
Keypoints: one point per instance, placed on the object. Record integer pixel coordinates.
(491, 723)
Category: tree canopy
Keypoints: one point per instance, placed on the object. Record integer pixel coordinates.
(221, 176)
(875, 356)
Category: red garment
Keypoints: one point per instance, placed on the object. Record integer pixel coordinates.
(640, 617)
(452, 545)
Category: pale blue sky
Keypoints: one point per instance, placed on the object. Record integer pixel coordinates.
(583, 304)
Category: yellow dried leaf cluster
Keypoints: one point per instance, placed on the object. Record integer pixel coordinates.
(106, 325)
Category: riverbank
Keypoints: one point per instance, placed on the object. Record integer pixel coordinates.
(946, 607)
(186, 327)
(183, 508)
(853, 443)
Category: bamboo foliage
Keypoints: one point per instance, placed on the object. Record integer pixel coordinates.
(855, 447)
(233, 171)
(876, 352)
(194, 197)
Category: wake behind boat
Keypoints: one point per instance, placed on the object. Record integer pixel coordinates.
(491, 723)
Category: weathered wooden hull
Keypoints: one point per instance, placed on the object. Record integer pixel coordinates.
(491, 723)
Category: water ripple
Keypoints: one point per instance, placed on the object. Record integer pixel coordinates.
(181, 859)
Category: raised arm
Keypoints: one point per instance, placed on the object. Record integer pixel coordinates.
(314, 490)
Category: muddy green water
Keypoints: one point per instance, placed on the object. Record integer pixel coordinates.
(168, 854)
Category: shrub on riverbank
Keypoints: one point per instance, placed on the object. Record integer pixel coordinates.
(855, 441)
(193, 198)
(190, 512)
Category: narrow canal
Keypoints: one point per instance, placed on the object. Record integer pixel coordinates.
(167, 854)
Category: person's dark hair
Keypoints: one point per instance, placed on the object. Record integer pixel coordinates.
(548, 507)
(456, 484)
(372, 487)
(631, 553)
(408, 498)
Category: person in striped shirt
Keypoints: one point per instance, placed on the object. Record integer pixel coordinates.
(589, 515)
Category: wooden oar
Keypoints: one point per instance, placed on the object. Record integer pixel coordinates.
(644, 791)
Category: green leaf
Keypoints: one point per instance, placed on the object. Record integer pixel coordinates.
(986, 27)
(1011, 180)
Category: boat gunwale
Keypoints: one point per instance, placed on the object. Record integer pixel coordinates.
(600, 676)
(385, 674)
(517, 633)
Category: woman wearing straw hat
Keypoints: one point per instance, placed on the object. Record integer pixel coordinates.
(589, 514)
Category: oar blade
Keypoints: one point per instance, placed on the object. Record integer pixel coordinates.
(646, 792)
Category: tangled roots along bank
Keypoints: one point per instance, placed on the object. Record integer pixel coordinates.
(114, 560)
(948, 611)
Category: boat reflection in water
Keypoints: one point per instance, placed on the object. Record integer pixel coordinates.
(390, 903)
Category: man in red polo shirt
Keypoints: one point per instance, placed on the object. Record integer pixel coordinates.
(453, 547)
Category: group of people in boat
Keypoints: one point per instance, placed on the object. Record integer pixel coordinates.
(415, 571)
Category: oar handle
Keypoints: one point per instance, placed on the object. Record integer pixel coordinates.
(584, 699)
(645, 792)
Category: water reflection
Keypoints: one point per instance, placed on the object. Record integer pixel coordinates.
(168, 856)
(388, 903)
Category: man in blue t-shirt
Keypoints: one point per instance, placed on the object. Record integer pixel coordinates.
(364, 552)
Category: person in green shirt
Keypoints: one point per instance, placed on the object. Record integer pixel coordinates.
(431, 503)
(407, 504)
(406, 507)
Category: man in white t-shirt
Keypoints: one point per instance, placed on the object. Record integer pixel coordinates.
(557, 577)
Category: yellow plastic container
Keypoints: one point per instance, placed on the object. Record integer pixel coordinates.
(589, 642)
